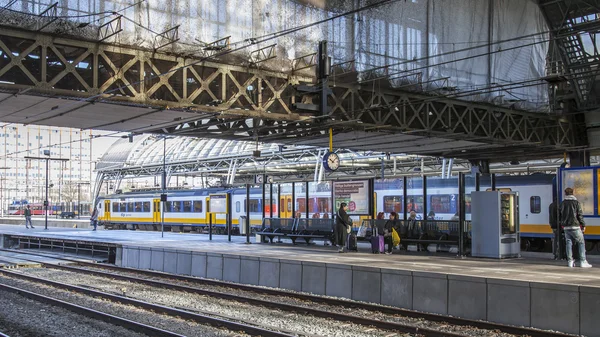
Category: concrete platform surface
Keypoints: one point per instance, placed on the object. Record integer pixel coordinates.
(533, 267)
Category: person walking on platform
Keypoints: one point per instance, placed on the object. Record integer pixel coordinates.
(341, 227)
(94, 218)
(28, 217)
(571, 220)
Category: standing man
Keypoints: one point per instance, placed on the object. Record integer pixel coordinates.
(28, 217)
(94, 218)
(571, 219)
(341, 227)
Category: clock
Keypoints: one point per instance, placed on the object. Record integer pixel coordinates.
(331, 161)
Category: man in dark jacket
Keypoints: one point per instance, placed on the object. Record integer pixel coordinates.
(28, 217)
(341, 227)
(571, 219)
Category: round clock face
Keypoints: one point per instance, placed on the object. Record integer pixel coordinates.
(332, 161)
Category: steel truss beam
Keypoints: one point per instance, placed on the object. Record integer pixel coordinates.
(73, 68)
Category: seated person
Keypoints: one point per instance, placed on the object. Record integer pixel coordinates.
(389, 225)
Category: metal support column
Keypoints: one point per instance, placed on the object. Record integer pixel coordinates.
(493, 181)
(293, 200)
(477, 182)
(425, 198)
(372, 198)
(279, 200)
(271, 200)
(264, 192)
(228, 218)
(247, 224)
(404, 197)
(307, 196)
(461, 214)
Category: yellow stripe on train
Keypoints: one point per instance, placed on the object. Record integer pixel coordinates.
(175, 220)
(545, 229)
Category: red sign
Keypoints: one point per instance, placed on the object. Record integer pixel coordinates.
(352, 206)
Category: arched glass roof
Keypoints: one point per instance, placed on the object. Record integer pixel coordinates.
(148, 150)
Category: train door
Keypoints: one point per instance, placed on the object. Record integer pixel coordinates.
(285, 204)
(156, 211)
(208, 215)
(107, 210)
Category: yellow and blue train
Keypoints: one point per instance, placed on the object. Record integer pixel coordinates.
(189, 210)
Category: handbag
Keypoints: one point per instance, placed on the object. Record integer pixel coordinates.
(395, 237)
(349, 227)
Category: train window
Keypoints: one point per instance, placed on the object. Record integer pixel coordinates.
(237, 206)
(168, 206)
(115, 207)
(535, 204)
(130, 207)
(440, 203)
(187, 206)
(392, 203)
(197, 206)
(468, 204)
(122, 206)
(176, 206)
(146, 206)
(137, 207)
(415, 203)
(301, 205)
(254, 206)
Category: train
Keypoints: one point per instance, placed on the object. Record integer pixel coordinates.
(55, 209)
(188, 210)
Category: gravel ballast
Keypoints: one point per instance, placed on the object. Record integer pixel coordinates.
(248, 313)
(23, 317)
(177, 325)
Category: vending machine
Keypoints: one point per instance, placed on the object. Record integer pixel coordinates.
(495, 224)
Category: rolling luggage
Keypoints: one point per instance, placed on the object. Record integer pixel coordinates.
(351, 242)
(377, 244)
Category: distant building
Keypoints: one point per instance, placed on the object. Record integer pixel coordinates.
(23, 179)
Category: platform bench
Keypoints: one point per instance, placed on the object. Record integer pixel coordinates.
(309, 229)
(277, 228)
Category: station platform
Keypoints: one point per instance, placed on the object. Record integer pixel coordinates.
(532, 291)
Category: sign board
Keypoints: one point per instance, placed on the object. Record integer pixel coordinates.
(355, 194)
(581, 180)
(218, 203)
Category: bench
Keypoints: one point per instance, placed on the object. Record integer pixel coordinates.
(309, 229)
(67, 215)
(441, 232)
(277, 227)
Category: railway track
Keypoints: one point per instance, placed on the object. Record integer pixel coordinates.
(135, 326)
(187, 284)
(111, 319)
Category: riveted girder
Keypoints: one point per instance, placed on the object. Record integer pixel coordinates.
(247, 102)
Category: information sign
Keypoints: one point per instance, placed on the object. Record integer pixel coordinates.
(355, 194)
(218, 203)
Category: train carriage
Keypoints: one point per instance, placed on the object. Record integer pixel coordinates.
(188, 210)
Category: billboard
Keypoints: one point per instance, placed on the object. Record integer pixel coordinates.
(218, 203)
(354, 193)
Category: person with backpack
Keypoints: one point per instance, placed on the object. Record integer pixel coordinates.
(571, 220)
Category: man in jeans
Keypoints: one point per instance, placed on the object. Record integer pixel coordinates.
(571, 219)
(28, 217)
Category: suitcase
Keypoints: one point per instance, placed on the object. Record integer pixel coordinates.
(377, 244)
(351, 242)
